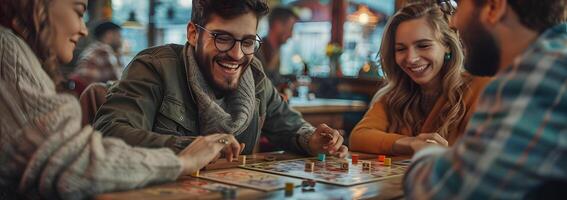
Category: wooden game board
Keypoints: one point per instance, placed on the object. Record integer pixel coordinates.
(250, 179)
(330, 171)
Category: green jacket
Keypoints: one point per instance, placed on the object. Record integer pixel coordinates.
(152, 106)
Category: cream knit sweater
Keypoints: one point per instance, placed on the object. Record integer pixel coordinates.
(44, 151)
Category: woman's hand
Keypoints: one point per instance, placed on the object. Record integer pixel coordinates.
(205, 149)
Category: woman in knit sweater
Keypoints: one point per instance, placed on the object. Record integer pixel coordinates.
(427, 97)
(44, 151)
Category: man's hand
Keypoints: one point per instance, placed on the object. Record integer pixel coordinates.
(327, 140)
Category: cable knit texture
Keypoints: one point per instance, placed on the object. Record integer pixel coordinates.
(239, 104)
(44, 151)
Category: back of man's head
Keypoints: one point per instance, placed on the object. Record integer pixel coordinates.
(281, 14)
(101, 29)
(226, 9)
(537, 15)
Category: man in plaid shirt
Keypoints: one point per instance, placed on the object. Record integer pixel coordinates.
(516, 144)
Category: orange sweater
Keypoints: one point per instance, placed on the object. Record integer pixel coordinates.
(370, 135)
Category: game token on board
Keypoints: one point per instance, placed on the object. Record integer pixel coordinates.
(309, 166)
(387, 161)
(366, 166)
(354, 158)
(344, 166)
(321, 157)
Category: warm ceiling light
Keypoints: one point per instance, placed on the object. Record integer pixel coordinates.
(364, 16)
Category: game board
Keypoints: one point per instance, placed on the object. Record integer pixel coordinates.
(195, 187)
(268, 157)
(251, 179)
(329, 171)
(187, 188)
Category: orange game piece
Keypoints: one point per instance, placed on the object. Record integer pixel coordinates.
(381, 158)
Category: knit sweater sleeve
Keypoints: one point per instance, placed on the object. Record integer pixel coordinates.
(46, 153)
(370, 135)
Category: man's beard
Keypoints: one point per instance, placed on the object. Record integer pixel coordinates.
(482, 50)
(206, 68)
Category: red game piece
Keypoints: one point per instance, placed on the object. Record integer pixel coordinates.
(354, 158)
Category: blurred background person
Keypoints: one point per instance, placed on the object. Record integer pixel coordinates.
(281, 21)
(100, 61)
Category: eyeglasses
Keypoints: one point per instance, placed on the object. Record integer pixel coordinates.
(225, 42)
(447, 6)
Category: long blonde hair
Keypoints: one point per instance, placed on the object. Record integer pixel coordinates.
(29, 20)
(401, 96)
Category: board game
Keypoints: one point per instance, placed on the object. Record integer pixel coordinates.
(187, 188)
(330, 171)
(250, 179)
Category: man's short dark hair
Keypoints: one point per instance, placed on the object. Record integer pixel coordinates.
(203, 9)
(104, 27)
(281, 14)
(537, 15)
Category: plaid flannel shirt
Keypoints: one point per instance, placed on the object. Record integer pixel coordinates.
(516, 140)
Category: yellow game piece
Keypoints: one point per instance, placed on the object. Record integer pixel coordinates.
(243, 160)
(387, 161)
(289, 189)
(309, 166)
(196, 173)
(289, 186)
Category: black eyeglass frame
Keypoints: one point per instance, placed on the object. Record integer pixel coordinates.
(234, 40)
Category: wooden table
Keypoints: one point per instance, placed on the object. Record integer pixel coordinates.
(385, 189)
(329, 111)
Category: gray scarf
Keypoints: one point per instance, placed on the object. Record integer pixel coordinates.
(212, 117)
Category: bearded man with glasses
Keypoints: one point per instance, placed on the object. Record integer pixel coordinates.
(171, 94)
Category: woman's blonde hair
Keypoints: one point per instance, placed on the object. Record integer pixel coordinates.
(29, 19)
(401, 96)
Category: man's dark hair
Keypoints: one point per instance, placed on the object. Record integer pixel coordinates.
(281, 14)
(203, 9)
(537, 15)
(104, 27)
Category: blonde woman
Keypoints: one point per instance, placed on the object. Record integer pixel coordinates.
(44, 151)
(427, 97)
